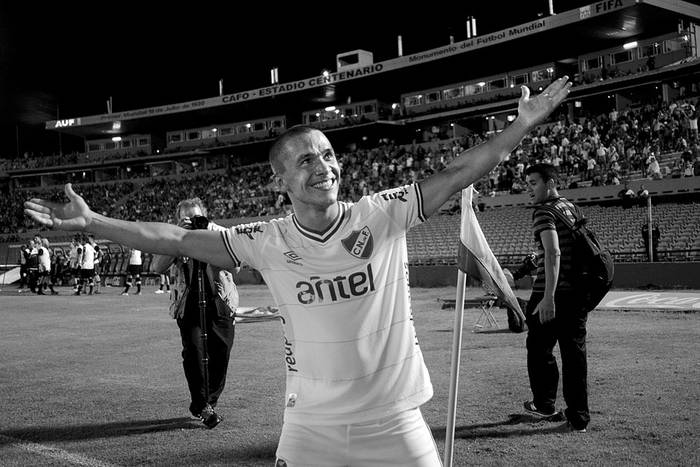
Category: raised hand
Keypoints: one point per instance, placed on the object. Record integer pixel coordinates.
(74, 215)
(533, 110)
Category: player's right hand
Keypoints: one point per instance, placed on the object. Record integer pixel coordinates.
(74, 215)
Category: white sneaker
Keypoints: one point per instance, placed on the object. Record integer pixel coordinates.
(159, 291)
(125, 293)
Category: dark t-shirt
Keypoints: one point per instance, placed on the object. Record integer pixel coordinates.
(542, 221)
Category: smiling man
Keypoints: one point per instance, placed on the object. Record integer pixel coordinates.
(339, 273)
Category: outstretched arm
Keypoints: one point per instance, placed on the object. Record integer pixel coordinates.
(476, 162)
(154, 237)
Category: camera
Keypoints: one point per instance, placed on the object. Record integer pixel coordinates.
(199, 222)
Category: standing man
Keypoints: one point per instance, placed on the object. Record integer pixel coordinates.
(74, 261)
(24, 252)
(338, 271)
(97, 279)
(134, 271)
(45, 259)
(221, 301)
(33, 265)
(164, 282)
(87, 267)
(555, 312)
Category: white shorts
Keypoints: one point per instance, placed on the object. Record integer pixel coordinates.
(403, 439)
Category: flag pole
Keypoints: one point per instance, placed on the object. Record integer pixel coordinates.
(454, 371)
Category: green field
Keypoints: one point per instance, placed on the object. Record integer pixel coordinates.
(97, 380)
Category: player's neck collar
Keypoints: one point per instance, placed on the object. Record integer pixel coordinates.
(322, 236)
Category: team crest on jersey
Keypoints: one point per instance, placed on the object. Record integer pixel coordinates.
(359, 243)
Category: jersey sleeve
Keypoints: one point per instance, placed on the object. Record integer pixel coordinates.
(245, 243)
(403, 205)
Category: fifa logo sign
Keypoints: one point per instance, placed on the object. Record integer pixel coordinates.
(320, 289)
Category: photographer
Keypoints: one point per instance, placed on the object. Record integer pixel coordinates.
(201, 355)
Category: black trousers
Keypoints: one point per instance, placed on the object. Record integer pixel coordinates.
(568, 329)
(220, 333)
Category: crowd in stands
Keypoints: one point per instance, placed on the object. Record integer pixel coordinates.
(606, 149)
(241, 192)
(597, 150)
(103, 199)
(29, 160)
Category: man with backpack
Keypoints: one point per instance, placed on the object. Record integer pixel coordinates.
(560, 301)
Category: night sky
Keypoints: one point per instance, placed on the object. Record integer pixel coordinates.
(71, 56)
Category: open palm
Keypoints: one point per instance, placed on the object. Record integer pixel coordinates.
(74, 215)
(533, 110)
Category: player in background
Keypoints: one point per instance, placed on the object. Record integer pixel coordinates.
(87, 267)
(23, 267)
(134, 271)
(164, 281)
(74, 260)
(45, 259)
(98, 263)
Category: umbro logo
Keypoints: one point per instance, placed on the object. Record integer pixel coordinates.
(359, 243)
(292, 257)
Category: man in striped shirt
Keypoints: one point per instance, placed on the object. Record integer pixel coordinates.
(554, 312)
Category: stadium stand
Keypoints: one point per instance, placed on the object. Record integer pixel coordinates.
(631, 120)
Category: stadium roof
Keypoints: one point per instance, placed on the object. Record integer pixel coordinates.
(561, 37)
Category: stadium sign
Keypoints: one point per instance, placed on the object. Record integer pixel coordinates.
(560, 20)
(66, 123)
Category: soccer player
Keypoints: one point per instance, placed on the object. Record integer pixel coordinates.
(45, 259)
(33, 264)
(87, 267)
(339, 273)
(24, 253)
(134, 271)
(164, 281)
(98, 263)
(74, 261)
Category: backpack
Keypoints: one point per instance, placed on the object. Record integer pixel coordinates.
(593, 263)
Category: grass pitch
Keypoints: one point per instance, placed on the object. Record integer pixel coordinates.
(97, 380)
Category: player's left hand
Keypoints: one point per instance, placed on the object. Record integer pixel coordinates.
(533, 110)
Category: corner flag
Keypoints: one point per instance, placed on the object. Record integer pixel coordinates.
(476, 259)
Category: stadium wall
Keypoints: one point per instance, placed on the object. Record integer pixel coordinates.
(599, 194)
(627, 275)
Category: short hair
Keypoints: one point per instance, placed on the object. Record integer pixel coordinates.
(190, 203)
(547, 171)
(278, 145)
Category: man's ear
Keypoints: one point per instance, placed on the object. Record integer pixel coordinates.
(551, 184)
(279, 182)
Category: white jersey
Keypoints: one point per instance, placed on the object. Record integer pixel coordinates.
(73, 256)
(350, 347)
(44, 259)
(88, 257)
(135, 257)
